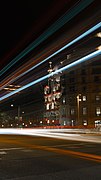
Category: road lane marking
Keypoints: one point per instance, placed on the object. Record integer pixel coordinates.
(92, 157)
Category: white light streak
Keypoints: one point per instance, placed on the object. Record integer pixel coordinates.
(63, 48)
(77, 62)
(55, 133)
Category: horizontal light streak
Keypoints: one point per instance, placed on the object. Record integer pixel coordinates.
(53, 133)
(52, 29)
(77, 62)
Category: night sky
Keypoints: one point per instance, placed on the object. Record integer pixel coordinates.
(21, 22)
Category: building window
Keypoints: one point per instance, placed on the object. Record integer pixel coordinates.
(57, 95)
(47, 106)
(96, 79)
(97, 98)
(64, 100)
(83, 80)
(63, 111)
(73, 122)
(98, 111)
(49, 98)
(72, 111)
(84, 110)
(64, 123)
(84, 98)
(46, 90)
(71, 72)
(72, 80)
(83, 71)
(97, 123)
(52, 105)
(53, 97)
(96, 71)
(84, 88)
(45, 99)
(85, 122)
(72, 89)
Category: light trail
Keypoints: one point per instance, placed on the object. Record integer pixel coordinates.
(52, 29)
(60, 50)
(54, 133)
(64, 47)
(77, 62)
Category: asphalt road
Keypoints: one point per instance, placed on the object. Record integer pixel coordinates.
(40, 158)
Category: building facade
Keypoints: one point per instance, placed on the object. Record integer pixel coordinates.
(81, 100)
(52, 95)
(74, 98)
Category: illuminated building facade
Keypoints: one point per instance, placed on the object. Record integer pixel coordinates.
(74, 98)
(52, 95)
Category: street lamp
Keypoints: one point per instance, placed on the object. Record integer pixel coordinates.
(78, 107)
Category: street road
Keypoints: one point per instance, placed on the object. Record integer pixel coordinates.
(41, 158)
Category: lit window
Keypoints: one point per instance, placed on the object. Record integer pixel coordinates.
(58, 95)
(46, 90)
(97, 123)
(84, 98)
(53, 97)
(72, 122)
(52, 107)
(48, 121)
(98, 111)
(49, 98)
(47, 106)
(45, 99)
(64, 100)
(85, 122)
(97, 98)
(58, 79)
(64, 123)
(72, 111)
(84, 111)
(54, 89)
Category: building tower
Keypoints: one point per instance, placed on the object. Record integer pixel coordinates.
(52, 94)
